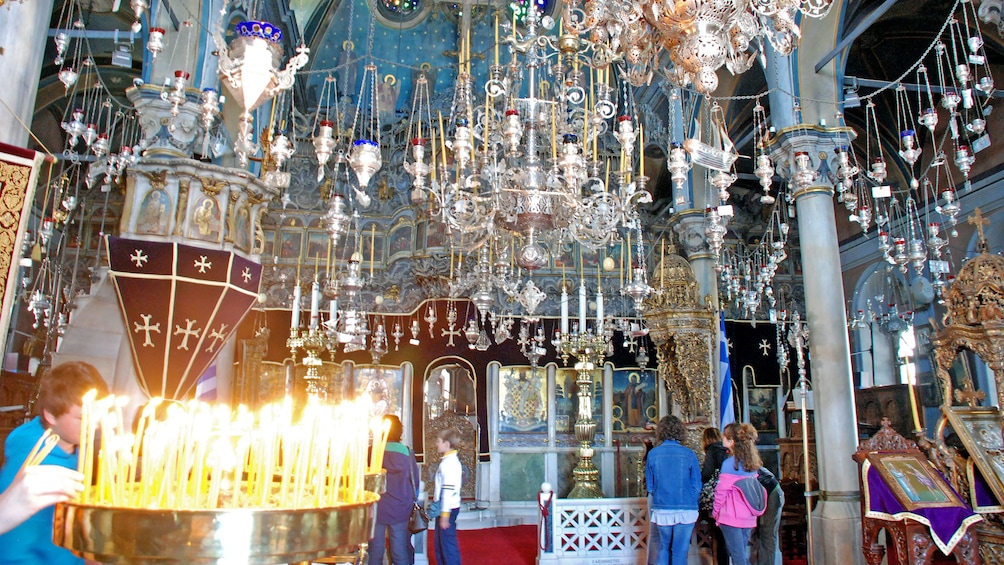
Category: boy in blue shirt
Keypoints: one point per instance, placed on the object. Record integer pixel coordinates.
(59, 407)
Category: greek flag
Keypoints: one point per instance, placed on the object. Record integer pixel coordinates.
(205, 387)
(727, 408)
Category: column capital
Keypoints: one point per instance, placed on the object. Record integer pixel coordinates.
(689, 226)
(170, 127)
(805, 154)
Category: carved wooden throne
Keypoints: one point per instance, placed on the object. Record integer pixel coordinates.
(910, 539)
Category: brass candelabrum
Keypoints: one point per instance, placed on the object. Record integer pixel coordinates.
(589, 348)
(312, 341)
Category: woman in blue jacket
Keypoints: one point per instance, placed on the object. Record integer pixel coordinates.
(673, 477)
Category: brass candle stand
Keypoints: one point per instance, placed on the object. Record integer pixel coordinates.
(589, 350)
(197, 483)
(234, 535)
(240, 535)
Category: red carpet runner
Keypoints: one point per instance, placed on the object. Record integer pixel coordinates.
(512, 545)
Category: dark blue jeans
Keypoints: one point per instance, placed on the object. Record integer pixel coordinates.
(446, 544)
(737, 540)
(401, 551)
(674, 543)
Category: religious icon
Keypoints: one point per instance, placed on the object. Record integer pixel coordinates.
(762, 406)
(242, 228)
(522, 396)
(206, 220)
(913, 481)
(290, 244)
(382, 386)
(634, 399)
(154, 213)
(400, 240)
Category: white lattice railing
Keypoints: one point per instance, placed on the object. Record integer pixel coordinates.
(594, 531)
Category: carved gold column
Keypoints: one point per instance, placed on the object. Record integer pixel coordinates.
(682, 325)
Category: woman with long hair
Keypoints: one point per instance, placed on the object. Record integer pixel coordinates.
(739, 497)
(673, 478)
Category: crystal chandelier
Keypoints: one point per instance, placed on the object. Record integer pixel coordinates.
(700, 36)
(541, 176)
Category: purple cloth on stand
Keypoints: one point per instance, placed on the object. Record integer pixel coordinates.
(981, 491)
(948, 524)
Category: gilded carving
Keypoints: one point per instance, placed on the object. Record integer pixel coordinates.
(211, 186)
(681, 323)
(974, 321)
(158, 179)
(184, 184)
(234, 196)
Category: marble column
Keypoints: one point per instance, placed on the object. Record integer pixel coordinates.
(24, 30)
(800, 153)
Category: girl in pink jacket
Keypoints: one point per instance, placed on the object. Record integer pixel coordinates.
(739, 497)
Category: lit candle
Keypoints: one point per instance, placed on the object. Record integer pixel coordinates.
(582, 306)
(295, 322)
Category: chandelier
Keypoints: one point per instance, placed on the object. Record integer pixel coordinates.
(699, 36)
(543, 176)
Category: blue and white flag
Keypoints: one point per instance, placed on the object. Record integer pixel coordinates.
(205, 388)
(727, 408)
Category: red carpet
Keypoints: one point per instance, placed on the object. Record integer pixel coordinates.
(511, 545)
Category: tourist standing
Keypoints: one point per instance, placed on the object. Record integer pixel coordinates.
(673, 478)
(449, 477)
(714, 455)
(397, 500)
(765, 547)
(739, 497)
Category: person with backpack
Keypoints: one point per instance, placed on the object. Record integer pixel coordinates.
(714, 455)
(394, 507)
(764, 538)
(739, 496)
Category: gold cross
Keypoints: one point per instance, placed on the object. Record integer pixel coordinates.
(979, 221)
(971, 397)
